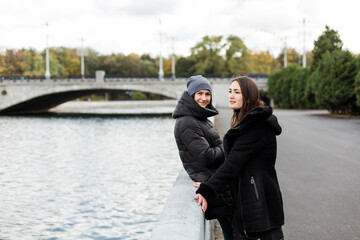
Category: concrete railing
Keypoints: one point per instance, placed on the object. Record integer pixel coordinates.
(182, 218)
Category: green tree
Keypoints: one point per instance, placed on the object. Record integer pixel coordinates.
(287, 86)
(108, 64)
(275, 81)
(34, 64)
(297, 92)
(328, 41)
(357, 88)
(71, 62)
(92, 63)
(185, 66)
(131, 66)
(206, 55)
(310, 89)
(57, 69)
(336, 84)
(235, 55)
(149, 65)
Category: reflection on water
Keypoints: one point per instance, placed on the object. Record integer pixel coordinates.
(84, 178)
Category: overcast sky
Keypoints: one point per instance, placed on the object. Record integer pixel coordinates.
(132, 26)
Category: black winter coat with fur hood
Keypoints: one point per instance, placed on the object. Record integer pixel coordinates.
(249, 168)
(200, 146)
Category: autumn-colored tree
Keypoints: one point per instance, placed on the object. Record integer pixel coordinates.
(10, 63)
(292, 57)
(2, 64)
(260, 62)
(71, 61)
(31, 63)
(167, 64)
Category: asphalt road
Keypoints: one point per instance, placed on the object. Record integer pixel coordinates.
(318, 167)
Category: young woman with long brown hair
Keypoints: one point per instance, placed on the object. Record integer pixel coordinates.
(249, 167)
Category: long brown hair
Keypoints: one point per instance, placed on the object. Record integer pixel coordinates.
(251, 99)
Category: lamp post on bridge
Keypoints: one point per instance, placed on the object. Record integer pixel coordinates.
(47, 72)
(172, 59)
(82, 52)
(285, 53)
(161, 70)
(304, 47)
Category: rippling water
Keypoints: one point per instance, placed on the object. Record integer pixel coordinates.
(84, 178)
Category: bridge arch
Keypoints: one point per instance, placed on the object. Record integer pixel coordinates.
(40, 96)
(45, 102)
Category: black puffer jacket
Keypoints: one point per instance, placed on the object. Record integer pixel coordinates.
(200, 146)
(250, 169)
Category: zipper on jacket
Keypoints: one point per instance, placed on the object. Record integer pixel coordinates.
(241, 210)
(252, 181)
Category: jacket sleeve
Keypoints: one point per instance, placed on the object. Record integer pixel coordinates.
(193, 138)
(243, 150)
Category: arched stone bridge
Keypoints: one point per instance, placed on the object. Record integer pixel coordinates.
(40, 95)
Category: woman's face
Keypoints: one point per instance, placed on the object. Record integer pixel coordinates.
(202, 97)
(235, 96)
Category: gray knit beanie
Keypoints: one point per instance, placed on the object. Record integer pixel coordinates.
(197, 83)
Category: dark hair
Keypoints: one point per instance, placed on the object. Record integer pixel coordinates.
(251, 99)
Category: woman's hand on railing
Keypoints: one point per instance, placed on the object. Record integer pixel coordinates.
(201, 201)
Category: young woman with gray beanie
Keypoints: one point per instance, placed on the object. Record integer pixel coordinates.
(200, 146)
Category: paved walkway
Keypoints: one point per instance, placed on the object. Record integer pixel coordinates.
(318, 167)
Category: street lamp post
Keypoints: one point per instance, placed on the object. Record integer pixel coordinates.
(82, 59)
(82, 52)
(304, 48)
(47, 72)
(173, 60)
(161, 70)
(285, 53)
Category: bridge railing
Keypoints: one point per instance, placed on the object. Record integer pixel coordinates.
(42, 80)
(118, 79)
(181, 217)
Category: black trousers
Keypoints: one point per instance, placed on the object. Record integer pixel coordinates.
(272, 234)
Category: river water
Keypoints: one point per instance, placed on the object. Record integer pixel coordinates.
(74, 177)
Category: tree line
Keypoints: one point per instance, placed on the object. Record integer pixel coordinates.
(213, 55)
(332, 81)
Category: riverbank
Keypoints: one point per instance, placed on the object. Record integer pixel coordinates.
(114, 105)
(117, 108)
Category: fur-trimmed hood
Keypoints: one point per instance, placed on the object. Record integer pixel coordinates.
(255, 117)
